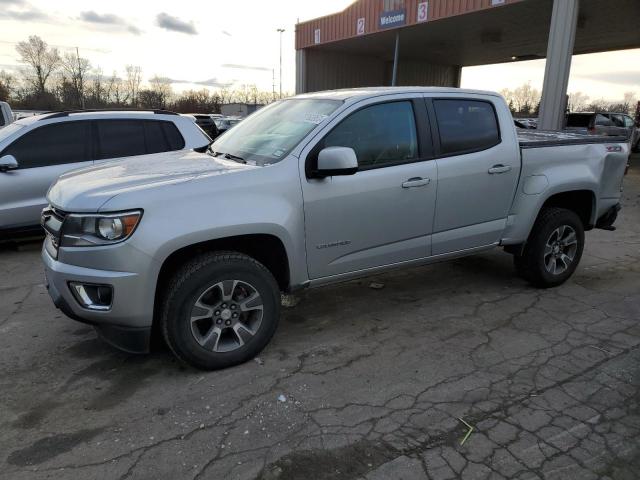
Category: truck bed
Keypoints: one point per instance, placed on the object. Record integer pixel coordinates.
(550, 138)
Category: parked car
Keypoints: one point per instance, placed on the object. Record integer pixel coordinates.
(313, 190)
(36, 150)
(206, 123)
(605, 123)
(226, 123)
(6, 115)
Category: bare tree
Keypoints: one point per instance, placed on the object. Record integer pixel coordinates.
(132, 83)
(75, 70)
(578, 102)
(523, 99)
(41, 60)
(7, 85)
(116, 93)
(161, 88)
(630, 100)
(97, 95)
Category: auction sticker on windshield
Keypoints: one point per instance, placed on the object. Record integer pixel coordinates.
(316, 118)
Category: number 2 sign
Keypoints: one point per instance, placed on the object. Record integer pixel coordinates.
(423, 11)
(360, 26)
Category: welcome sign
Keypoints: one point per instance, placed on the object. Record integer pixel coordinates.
(391, 19)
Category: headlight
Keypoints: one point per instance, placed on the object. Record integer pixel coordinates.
(80, 230)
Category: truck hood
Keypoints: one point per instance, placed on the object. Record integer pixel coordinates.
(87, 189)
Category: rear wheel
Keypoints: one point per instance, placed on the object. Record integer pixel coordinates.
(553, 250)
(221, 309)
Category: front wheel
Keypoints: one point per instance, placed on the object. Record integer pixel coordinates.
(553, 250)
(220, 309)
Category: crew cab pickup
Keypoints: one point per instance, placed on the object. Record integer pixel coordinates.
(316, 189)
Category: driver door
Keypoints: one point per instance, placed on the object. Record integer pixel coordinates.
(382, 214)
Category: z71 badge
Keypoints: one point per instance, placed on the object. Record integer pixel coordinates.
(333, 244)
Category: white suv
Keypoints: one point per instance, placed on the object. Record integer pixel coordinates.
(35, 151)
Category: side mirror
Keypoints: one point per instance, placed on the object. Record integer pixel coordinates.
(336, 161)
(8, 162)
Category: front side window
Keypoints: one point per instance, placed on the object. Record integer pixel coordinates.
(267, 136)
(603, 121)
(466, 125)
(628, 122)
(65, 142)
(381, 135)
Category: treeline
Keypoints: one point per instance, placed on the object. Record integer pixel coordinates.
(50, 80)
(525, 101)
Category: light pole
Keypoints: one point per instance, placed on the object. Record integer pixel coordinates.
(280, 31)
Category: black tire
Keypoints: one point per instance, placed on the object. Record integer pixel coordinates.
(188, 285)
(531, 265)
(636, 148)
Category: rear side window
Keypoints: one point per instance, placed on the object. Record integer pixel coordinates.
(162, 136)
(466, 125)
(176, 142)
(120, 138)
(383, 134)
(126, 138)
(579, 120)
(618, 120)
(65, 142)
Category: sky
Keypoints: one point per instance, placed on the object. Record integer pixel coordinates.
(230, 43)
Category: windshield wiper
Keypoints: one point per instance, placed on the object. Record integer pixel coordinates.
(230, 156)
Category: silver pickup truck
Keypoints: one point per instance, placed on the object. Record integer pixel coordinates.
(316, 189)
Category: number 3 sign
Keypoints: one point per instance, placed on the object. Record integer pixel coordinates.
(423, 10)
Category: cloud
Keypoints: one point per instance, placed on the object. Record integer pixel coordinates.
(169, 22)
(211, 82)
(620, 77)
(29, 15)
(12, 2)
(245, 67)
(224, 32)
(109, 19)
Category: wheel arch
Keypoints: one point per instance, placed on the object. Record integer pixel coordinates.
(581, 201)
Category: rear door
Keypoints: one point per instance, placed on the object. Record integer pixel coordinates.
(477, 173)
(43, 154)
(604, 125)
(382, 214)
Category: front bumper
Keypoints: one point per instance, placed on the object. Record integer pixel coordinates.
(126, 325)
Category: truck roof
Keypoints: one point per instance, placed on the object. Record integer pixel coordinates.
(364, 92)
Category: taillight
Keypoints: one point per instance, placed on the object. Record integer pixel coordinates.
(626, 170)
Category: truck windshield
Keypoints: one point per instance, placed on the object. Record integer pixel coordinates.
(267, 136)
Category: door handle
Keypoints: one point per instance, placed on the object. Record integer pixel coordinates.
(416, 182)
(499, 168)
